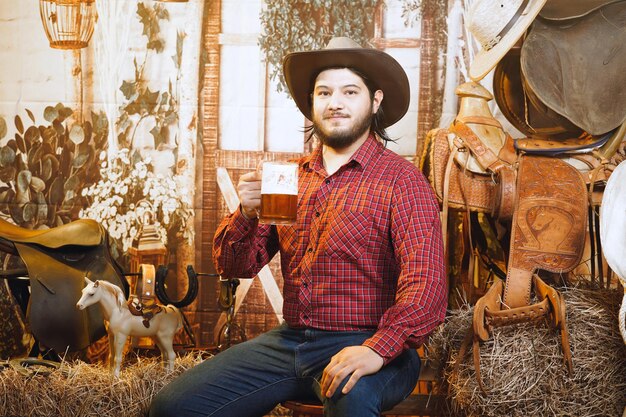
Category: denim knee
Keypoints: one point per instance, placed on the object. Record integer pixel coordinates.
(163, 406)
(377, 392)
(362, 400)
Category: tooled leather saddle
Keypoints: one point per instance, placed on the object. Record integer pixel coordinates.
(545, 200)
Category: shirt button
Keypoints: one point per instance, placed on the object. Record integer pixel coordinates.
(305, 285)
(310, 250)
(317, 214)
(327, 181)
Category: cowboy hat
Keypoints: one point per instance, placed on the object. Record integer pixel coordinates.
(301, 69)
(497, 25)
(569, 9)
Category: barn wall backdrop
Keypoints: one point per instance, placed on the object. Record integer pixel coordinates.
(154, 120)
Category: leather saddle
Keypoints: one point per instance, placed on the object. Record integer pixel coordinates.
(576, 67)
(568, 9)
(547, 201)
(57, 261)
(544, 199)
(547, 133)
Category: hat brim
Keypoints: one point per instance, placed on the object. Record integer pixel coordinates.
(301, 69)
(486, 60)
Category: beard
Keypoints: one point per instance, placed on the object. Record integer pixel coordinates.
(341, 138)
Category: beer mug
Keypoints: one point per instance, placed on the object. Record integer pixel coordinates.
(279, 193)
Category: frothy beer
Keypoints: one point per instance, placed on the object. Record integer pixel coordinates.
(279, 193)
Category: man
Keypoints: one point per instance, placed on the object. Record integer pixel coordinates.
(363, 268)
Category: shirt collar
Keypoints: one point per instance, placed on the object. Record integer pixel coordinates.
(366, 153)
(363, 156)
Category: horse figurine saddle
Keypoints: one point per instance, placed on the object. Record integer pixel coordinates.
(57, 261)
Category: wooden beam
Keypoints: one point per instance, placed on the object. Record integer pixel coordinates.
(382, 43)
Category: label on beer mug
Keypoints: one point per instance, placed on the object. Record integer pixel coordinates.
(280, 178)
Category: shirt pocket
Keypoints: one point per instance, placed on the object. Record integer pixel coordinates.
(348, 234)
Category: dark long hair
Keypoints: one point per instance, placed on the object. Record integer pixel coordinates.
(378, 121)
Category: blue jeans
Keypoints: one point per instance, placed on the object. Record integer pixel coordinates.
(251, 378)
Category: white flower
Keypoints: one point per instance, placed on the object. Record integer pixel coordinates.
(128, 196)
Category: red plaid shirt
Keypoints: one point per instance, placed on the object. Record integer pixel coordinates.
(366, 252)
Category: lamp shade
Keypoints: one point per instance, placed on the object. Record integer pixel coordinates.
(68, 24)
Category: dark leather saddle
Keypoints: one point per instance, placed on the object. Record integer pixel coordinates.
(57, 260)
(576, 67)
(564, 87)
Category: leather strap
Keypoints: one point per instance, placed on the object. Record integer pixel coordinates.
(594, 226)
(546, 292)
(476, 357)
(558, 316)
(517, 289)
(508, 153)
(485, 156)
(444, 204)
(507, 183)
(565, 346)
(490, 301)
(146, 283)
(504, 204)
(506, 317)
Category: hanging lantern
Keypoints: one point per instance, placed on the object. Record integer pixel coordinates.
(68, 23)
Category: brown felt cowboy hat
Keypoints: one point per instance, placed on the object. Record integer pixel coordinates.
(301, 69)
(497, 25)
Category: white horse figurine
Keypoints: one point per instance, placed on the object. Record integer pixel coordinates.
(122, 323)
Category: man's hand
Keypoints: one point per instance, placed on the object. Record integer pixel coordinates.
(356, 361)
(249, 190)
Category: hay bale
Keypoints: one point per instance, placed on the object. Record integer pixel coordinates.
(80, 389)
(522, 366)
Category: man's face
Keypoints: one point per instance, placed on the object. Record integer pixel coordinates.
(342, 108)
